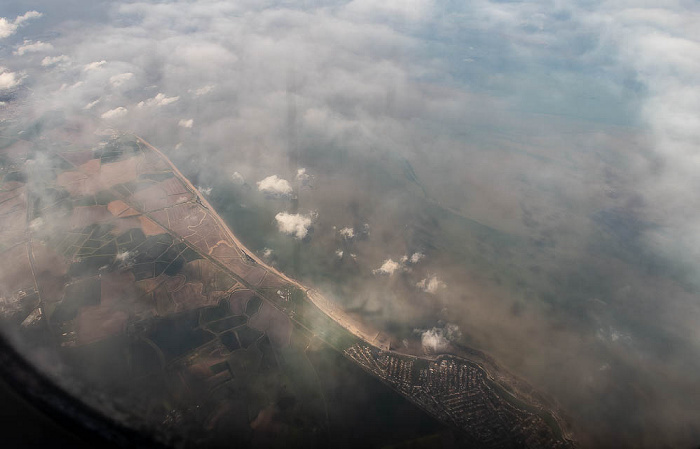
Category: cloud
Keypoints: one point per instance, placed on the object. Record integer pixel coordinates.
(303, 177)
(431, 284)
(49, 61)
(9, 80)
(126, 258)
(296, 225)
(158, 101)
(32, 47)
(94, 65)
(201, 91)
(118, 80)
(91, 105)
(369, 84)
(185, 123)
(387, 268)
(237, 178)
(27, 16)
(275, 186)
(339, 253)
(8, 28)
(411, 10)
(438, 339)
(413, 259)
(348, 233)
(433, 340)
(115, 113)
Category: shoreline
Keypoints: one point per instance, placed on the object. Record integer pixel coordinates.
(517, 388)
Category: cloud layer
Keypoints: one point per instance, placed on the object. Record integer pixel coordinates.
(542, 155)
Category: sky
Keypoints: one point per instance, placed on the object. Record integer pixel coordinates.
(568, 130)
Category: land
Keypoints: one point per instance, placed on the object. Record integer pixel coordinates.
(114, 256)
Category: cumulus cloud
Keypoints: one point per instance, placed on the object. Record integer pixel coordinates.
(275, 186)
(32, 47)
(8, 28)
(303, 177)
(118, 80)
(27, 16)
(91, 105)
(115, 113)
(339, 253)
(431, 284)
(126, 258)
(413, 259)
(437, 339)
(94, 65)
(237, 178)
(185, 123)
(389, 267)
(433, 340)
(159, 100)
(296, 225)
(9, 80)
(347, 233)
(49, 61)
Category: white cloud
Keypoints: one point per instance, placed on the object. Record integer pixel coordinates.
(118, 80)
(201, 91)
(347, 233)
(433, 340)
(158, 101)
(275, 186)
(388, 267)
(296, 225)
(415, 258)
(267, 252)
(126, 258)
(438, 339)
(9, 80)
(27, 16)
(339, 253)
(303, 177)
(431, 284)
(94, 65)
(8, 28)
(204, 190)
(91, 105)
(183, 123)
(115, 113)
(237, 178)
(32, 47)
(54, 60)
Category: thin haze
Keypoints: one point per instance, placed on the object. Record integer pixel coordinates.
(541, 156)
